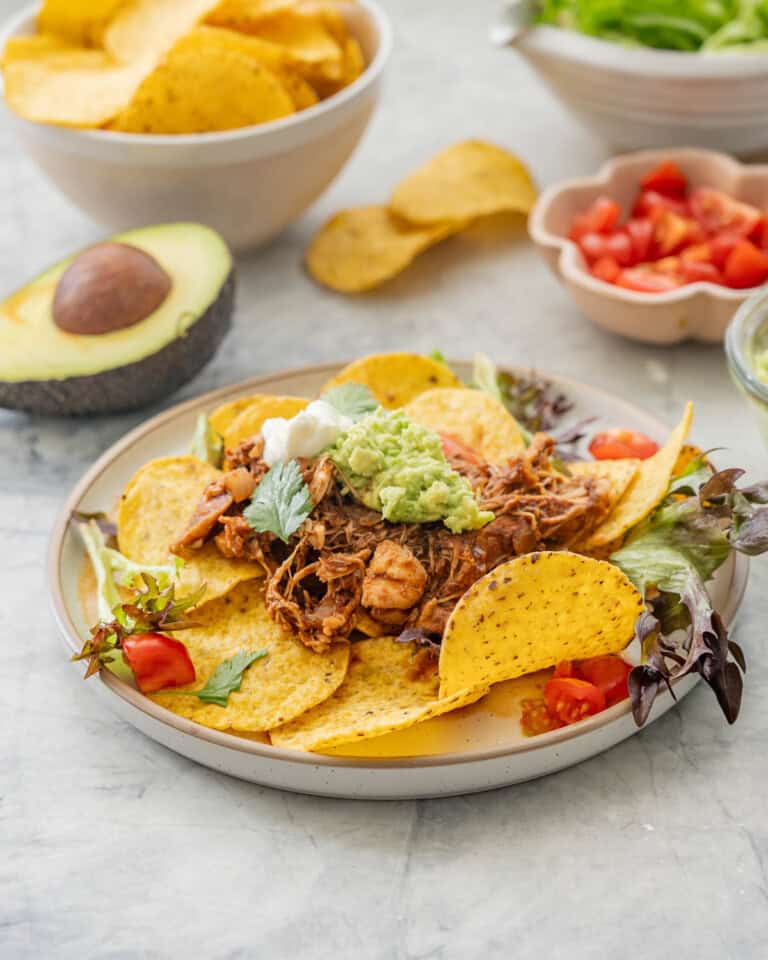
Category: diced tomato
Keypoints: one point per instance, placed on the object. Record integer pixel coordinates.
(455, 449)
(698, 270)
(618, 444)
(643, 280)
(158, 661)
(569, 699)
(649, 201)
(601, 217)
(746, 266)
(669, 267)
(698, 253)
(536, 718)
(606, 269)
(565, 668)
(759, 234)
(667, 179)
(640, 231)
(609, 674)
(716, 211)
(596, 246)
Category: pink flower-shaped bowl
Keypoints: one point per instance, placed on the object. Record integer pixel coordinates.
(697, 311)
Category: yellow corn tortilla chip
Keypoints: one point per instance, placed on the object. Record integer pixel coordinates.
(203, 85)
(224, 416)
(288, 681)
(80, 21)
(383, 691)
(69, 86)
(305, 37)
(262, 407)
(533, 611)
(688, 453)
(474, 417)
(34, 46)
(361, 248)
(645, 491)
(243, 15)
(618, 474)
(154, 510)
(468, 180)
(144, 30)
(395, 378)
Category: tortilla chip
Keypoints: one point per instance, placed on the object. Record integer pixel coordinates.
(646, 490)
(618, 474)
(476, 418)
(532, 612)
(288, 681)
(34, 46)
(156, 507)
(81, 21)
(204, 85)
(688, 453)
(465, 181)
(145, 30)
(261, 407)
(395, 378)
(245, 15)
(386, 689)
(224, 416)
(305, 37)
(361, 248)
(69, 86)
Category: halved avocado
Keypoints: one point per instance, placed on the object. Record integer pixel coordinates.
(182, 273)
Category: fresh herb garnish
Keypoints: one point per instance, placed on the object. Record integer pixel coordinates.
(353, 400)
(226, 678)
(438, 356)
(669, 557)
(281, 502)
(207, 445)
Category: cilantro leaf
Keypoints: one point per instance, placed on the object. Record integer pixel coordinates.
(227, 677)
(353, 400)
(281, 502)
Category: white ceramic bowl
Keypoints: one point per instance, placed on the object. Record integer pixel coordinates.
(248, 184)
(697, 311)
(635, 98)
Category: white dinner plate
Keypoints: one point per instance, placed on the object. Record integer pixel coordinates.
(477, 748)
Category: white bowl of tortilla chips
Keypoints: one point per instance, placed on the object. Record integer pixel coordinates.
(274, 142)
(377, 717)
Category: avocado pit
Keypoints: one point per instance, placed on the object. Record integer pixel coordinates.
(109, 287)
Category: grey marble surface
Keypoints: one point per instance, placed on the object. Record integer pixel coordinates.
(114, 847)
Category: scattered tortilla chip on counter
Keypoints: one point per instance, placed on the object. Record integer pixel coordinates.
(154, 510)
(260, 408)
(472, 416)
(532, 612)
(361, 248)
(468, 180)
(290, 680)
(395, 378)
(646, 490)
(389, 686)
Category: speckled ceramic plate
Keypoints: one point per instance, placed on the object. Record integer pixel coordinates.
(477, 748)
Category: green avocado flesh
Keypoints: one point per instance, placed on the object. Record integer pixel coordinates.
(33, 348)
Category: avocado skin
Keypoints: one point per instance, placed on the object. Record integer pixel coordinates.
(136, 384)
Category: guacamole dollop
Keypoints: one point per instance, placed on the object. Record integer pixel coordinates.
(398, 467)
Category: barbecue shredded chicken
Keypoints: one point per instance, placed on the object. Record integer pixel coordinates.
(347, 568)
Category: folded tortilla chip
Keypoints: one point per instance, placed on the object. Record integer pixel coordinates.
(532, 612)
(290, 680)
(154, 510)
(395, 378)
(476, 418)
(386, 688)
(248, 422)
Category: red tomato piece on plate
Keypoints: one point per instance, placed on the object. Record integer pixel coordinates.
(158, 661)
(601, 217)
(609, 674)
(667, 179)
(570, 700)
(619, 444)
(716, 211)
(746, 266)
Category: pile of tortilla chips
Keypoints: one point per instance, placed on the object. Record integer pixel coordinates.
(361, 248)
(525, 615)
(178, 66)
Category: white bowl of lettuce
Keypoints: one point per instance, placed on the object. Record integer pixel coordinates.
(655, 73)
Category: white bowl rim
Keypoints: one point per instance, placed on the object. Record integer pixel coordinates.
(649, 62)
(569, 260)
(23, 18)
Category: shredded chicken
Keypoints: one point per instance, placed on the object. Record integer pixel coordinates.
(347, 568)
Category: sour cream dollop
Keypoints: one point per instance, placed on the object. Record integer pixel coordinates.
(305, 435)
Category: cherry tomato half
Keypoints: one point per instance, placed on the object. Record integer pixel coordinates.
(618, 444)
(609, 674)
(569, 699)
(158, 661)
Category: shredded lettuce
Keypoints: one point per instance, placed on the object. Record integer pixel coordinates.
(684, 25)
(207, 445)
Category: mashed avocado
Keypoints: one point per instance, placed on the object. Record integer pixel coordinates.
(397, 467)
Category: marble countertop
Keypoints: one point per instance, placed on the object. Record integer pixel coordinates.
(113, 847)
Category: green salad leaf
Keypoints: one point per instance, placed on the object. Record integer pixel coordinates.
(227, 677)
(207, 445)
(281, 502)
(353, 400)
